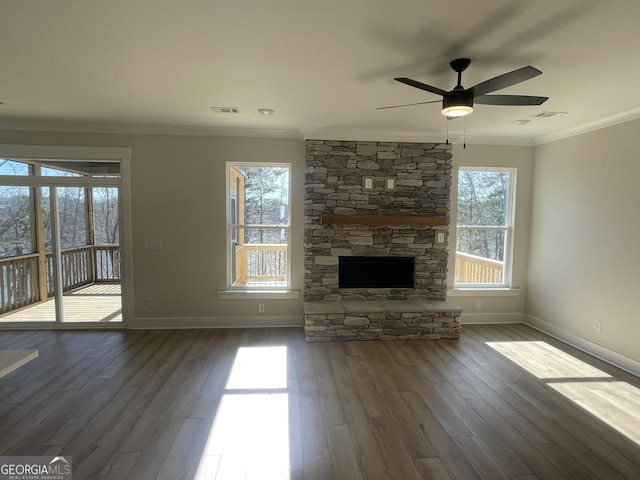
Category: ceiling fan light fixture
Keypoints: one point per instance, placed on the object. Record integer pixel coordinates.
(456, 111)
(457, 104)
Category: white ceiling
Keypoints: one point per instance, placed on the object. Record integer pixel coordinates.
(323, 66)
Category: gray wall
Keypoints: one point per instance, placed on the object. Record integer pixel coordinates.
(576, 231)
(584, 256)
(171, 173)
(170, 176)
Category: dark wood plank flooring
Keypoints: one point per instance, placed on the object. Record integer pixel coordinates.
(503, 402)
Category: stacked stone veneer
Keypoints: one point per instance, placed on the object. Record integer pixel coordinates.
(385, 320)
(334, 186)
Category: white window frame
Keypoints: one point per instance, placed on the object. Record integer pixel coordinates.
(266, 289)
(508, 229)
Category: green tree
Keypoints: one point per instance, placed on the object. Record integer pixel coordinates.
(15, 221)
(482, 202)
(266, 202)
(105, 215)
(72, 215)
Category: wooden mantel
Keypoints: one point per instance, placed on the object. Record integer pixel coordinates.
(381, 220)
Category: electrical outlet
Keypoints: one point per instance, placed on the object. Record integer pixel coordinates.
(148, 302)
(261, 307)
(597, 325)
(478, 304)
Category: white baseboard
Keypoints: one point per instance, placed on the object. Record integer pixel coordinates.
(469, 318)
(217, 322)
(603, 353)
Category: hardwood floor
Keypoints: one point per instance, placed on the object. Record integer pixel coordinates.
(503, 402)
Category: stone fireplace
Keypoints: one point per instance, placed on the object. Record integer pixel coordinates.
(377, 200)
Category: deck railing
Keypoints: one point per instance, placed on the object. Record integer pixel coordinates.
(261, 263)
(474, 269)
(18, 282)
(19, 278)
(107, 263)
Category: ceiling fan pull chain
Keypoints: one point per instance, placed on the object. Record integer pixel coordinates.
(447, 142)
(464, 139)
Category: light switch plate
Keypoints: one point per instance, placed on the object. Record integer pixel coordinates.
(367, 183)
(390, 183)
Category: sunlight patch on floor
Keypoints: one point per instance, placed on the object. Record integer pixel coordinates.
(616, 403)
(258, 368)
(612, 401)
(546, 361)
(249, 437)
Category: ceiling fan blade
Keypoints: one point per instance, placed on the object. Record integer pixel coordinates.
(422, 86)
(507, 100)
(408, 104)
(505, 80)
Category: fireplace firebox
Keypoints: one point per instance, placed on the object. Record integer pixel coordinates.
(376, 272)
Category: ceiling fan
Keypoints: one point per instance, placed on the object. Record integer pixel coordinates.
(459, 101)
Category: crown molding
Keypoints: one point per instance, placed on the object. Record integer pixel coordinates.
(622, 116)
(145, 129)
(333, 133)
(373, 135)
(501, 141)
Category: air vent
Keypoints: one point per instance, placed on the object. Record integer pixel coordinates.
(550, 114)
(225, 109)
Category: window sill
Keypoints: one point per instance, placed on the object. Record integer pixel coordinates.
(258, 294)
(483, 292)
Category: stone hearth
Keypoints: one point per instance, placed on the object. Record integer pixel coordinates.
(381, 320)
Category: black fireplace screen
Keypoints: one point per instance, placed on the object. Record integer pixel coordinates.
(375, 272)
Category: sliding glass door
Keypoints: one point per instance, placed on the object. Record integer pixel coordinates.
(59, 242)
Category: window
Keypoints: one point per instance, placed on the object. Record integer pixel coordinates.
(72, 215)
(484, 227)
(258, 226)
(17, 223)
(10, 167)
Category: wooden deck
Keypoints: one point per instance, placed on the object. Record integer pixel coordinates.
(96, 303)
(505, 402)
